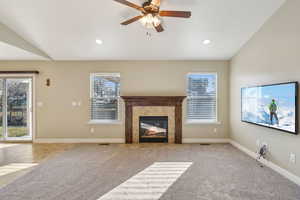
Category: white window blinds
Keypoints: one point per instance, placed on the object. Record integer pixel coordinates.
(202, 97)
(104, 97)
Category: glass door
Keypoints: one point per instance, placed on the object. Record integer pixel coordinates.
(16, 109)
(1, 109)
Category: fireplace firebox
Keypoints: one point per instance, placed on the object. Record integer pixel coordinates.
(153, 129)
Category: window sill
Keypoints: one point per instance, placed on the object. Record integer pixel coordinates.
(99, 122)
(201, 122)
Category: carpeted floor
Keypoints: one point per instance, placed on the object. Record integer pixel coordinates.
(87, 172)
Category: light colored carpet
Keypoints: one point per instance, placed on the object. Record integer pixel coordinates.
(87, 172)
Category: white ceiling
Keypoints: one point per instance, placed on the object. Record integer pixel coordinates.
(67, 29)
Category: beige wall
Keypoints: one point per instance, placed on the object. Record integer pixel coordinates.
(70, 82)
(271, 56)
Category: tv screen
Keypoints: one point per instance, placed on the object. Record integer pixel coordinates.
(273, 106)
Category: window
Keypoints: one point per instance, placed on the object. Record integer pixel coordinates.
(104, 97)
(202, 97)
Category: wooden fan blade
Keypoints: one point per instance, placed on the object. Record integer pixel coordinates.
(132, 5)
(132, 20)
(159, 28)
(168, 13)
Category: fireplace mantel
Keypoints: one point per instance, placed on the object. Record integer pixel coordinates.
(175, 101)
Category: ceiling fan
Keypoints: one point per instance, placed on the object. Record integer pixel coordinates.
(151, 14)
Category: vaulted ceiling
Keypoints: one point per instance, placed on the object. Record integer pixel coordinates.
(67, 29)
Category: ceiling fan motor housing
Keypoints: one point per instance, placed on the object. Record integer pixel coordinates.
(147, 3)
(150, 8)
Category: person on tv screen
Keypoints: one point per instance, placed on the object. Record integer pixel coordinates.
(273, 111)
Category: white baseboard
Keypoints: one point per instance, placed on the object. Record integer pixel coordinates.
(205, 140)
(122, 140)
(283, 172)
(79, 140)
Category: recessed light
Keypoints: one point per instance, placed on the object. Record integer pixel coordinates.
(99, 42)
(206, 42)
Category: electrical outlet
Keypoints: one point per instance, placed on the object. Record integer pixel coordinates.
(215, 130)
(79, 103)
(258, 143)
(92, 130)
(40, 104)
(293, 158)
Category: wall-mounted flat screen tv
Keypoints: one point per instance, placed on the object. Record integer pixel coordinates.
(273, 106)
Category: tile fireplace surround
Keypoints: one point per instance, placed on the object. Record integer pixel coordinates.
(139, 111)
(136, 106)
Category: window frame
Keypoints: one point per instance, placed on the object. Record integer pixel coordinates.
(203, 121)
(104, 121)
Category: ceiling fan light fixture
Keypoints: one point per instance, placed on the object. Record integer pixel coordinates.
(156, 21)
(149, 21)
(151, 14)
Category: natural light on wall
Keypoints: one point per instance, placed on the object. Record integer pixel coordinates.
(151, 183)
(14, 167)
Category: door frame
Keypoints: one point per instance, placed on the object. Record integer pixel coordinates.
(33, 107)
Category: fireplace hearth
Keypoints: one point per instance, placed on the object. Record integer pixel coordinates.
(153, 129)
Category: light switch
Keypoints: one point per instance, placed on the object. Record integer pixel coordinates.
(258, 143)
(293, 158)
(92, 130)
(40, 104)
(74, 103)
